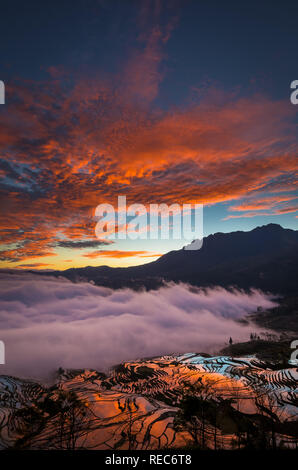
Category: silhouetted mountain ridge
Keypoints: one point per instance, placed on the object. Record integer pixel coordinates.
(265, 257)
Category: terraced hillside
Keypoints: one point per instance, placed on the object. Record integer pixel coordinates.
(170, 401)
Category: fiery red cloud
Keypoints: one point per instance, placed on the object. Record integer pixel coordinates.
(120, 254)
(69, 145)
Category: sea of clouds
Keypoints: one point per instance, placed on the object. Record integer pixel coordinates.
(47, 322)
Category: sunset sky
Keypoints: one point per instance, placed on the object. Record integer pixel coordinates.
(161, 101)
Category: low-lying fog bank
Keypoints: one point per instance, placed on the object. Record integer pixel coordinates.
(49, 322)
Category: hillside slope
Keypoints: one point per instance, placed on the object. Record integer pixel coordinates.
(265, 258)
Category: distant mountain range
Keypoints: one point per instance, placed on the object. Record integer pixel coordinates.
(265, 257)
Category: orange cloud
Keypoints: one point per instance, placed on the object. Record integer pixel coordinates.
(262, 204)
(120, 254)
(34, 265)
(287, 210)
(66, 149)
(254, 213)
